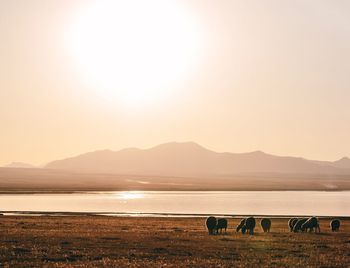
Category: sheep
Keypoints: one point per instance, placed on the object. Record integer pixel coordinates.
(298, 224)
(241, 226)
(311, 224)
(335, 224)
(221, 224)
(211, 224)
(265, 224)
(250, 224)
(291, 223)
(246, 224)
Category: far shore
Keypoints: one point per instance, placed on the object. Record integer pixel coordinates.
(56, 181)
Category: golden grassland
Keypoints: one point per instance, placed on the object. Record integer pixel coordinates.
(95, 241)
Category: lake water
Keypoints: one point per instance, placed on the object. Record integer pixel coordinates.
(224, 202)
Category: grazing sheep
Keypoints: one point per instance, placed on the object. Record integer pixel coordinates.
(265, 224)
(298, 224)
(311, 225)
(241, 226)
(335, 224)
(211, 223)
(291, 223)
(250, 224)
(246, 224)
(221, 224)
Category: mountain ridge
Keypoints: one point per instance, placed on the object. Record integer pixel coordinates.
(191, 159)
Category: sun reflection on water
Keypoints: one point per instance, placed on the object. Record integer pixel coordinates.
(131, 195)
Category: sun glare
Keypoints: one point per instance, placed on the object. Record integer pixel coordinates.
(134, 51)
(130, 195)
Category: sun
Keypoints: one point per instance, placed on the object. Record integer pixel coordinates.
(135, 51)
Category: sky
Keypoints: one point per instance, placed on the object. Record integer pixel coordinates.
(237, 76)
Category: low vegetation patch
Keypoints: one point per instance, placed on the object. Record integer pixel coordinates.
(172, 242)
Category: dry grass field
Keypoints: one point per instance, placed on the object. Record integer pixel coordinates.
(98, 241)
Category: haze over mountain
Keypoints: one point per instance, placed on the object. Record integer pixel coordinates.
(192, 160)
(178, 166)
(19, 165)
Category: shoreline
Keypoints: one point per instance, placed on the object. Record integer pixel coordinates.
(156, 215)
(12, 192)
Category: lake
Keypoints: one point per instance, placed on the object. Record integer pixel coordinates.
(320, 203)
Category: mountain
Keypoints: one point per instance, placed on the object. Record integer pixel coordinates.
(192, 160)
(19, 165)
(178, 166)
(342, 163)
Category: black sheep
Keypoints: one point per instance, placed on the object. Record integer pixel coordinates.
(311, 225)
(246, 224)
(221, 224)
(211, 223)
(250, 224)
(298, 224)
(291, 223)
(335, 224)
(265, 224)
(241, 226)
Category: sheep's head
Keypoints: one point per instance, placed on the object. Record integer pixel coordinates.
(303, 227)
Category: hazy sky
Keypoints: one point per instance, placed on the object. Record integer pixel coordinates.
(235, 76)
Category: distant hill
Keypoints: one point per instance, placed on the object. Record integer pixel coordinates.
(342, 163)
(19, 165)
(178, 166)
(192, 160)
